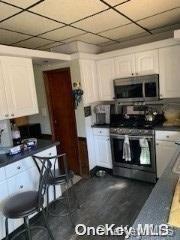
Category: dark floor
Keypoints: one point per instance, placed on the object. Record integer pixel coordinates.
(105, 200)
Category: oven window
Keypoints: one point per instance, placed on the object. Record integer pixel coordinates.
(136, 152)
(150, 89)
(129, 91)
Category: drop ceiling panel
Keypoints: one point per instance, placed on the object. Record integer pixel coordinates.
(102, 21)
(88, 38)
(21, 3)
(69, 10)
(33, 43)
(7, 11)
(7, 37)
(123, 32)
(29, 23)
(62, 33)
(162, 20)
(115, 2)
(138, 9)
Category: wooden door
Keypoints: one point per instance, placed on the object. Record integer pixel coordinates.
(62, 114)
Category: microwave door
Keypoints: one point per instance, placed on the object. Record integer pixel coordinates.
(129, 92)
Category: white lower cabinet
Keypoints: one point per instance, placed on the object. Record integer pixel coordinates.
(102, 148)
(165, 149)
(22, 176)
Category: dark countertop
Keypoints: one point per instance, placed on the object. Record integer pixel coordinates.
(101, 126)
(159, 127)
(157, 207)
(41, 146)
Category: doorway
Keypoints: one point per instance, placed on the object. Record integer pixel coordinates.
(62, 115)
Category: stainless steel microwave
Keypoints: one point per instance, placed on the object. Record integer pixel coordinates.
(139, 88)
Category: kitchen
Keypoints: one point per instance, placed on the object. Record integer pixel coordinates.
(126, 97)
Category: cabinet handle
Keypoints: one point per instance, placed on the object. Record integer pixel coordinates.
(161, 95)
(50, 154)
(6, 115)
(18, 167)
(136, 73)
(157, 144)
(108, 139)
(12, 115)
(21, 186)
(132, 74)
(167, 136)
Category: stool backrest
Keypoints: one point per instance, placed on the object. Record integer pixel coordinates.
(44, 169)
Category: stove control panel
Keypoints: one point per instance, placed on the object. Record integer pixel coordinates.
(131, 131)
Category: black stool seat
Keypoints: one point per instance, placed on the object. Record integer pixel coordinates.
(58, 178)
(21, 205)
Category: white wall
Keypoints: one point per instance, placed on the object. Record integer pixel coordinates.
(42, 101)
(43, 116)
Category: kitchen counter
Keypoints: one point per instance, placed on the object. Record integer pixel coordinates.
(167, 128)
(100, 126)
(41, 146)
(157, 207)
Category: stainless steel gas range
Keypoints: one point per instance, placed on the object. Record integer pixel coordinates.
(133, 153)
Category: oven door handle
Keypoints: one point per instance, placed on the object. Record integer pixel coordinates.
(130, 137)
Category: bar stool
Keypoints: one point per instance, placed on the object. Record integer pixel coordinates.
(58, 178)
(22, 205)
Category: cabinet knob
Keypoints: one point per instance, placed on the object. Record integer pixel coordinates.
(108, 139)
(132, 74)
(157, 144)
(6, 115)
(136, 73)
(167, 136)
(12, 115)
(21, 186)
(161, 95)
(50, 154)
(18, 167)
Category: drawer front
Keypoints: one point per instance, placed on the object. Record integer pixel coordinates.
(101, 131)
(14, 169)
(170, 136)
(2, 174)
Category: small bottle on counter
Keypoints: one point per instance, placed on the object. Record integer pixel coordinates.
(16, 136)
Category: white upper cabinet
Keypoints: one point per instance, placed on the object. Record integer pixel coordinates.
(3, 99)
(18, 81)
(106, 75)
(89, 81)
(169, 59)
(142, 63)
(147, 62)
(124, 66)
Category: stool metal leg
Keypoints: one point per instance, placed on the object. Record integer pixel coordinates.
(69, 205)
(47, 225)
(7, 229)
(26, 221)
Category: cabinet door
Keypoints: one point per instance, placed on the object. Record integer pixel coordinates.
(169, 59)
(106, 75)
(147, 62)
(20, 86)
(89, 81)
(3, 103)
(124, 66)
(103, 151)
(164, 154)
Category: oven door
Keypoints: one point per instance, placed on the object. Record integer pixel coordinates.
(117, 142)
